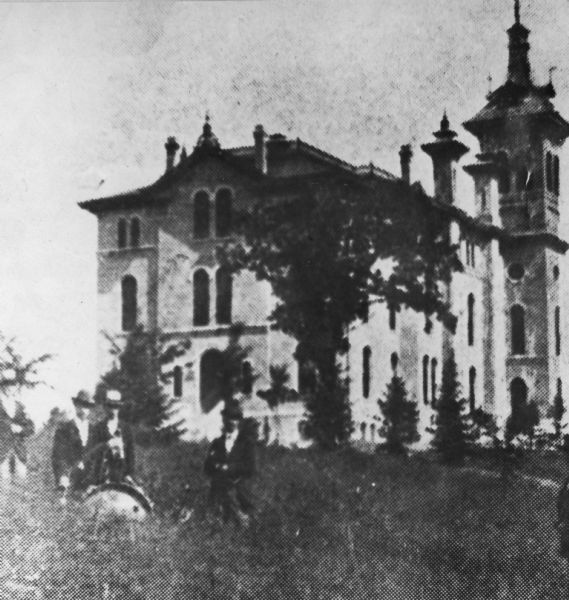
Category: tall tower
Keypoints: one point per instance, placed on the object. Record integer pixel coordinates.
(517, 187)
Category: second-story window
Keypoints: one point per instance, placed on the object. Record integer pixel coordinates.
(201, 298)
(366, 372)
(223, 202)
(121, 233)
(425, 379)
(470, 323)
(556, 187)
(224, 292)
(392, 318)
(472, 388)
(557, 331)
(201, 215)
(434, 365)
(129, 302)
(135, 232)
(517, 329)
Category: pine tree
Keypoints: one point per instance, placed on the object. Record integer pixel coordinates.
(138, 375)
(400, 416)
(451, 432)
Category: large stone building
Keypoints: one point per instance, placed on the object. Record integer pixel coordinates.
(158, 264)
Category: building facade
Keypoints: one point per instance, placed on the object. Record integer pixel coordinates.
(158, 266)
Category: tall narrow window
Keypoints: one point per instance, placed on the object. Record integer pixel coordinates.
(556, 174)
(121, 233)
(426, 379)
(224, 292)
(392, 318)
(549, 171)
(223, 203)
(470, 319)
(135, 232)
(201, 215)
(434, 365)
(247, 377)
(178, 382)
(559, 387)
(557, 331)
(201, 298)
(472, 388)
(366, 375)
(129, 302)
(394, 362)
(518, 331)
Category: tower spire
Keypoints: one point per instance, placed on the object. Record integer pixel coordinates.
(518, 64)
(517, 11)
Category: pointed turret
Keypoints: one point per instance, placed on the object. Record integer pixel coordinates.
(519, 71)
(208, 140)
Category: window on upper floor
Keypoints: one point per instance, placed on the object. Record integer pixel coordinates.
(472, 388)
(556, 187)
(517, 329)
(201, 297)
(425, 379)
(557, 331)
(550, 172)
(224, 293)
(121, 233)
(135, 232)
(129, 303)
(366, 371)
(247, 377)
(178, 382)
(223, 208)
(201, 215)
(434, 365)
(392, 318)
(394, 362)
(470, 320)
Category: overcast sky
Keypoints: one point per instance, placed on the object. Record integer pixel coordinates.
(90, 91)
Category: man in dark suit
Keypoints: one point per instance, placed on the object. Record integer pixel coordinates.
(70, 445)
(111, 447)
(230, 464)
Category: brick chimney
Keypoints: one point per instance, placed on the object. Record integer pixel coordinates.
(405, 155)
(260, 137)
(172, 147)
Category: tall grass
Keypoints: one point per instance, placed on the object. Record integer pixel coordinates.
(328, 525)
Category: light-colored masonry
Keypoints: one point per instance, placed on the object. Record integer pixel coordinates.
(157, 256)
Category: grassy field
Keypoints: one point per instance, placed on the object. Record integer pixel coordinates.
(328, 525)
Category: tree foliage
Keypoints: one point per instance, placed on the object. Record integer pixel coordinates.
(451, 432)
(140, 373)
(319, 249)
(400, 416)
(279, 391)
(558, 410)
(523, 420)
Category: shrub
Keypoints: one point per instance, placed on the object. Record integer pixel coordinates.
(400, 416)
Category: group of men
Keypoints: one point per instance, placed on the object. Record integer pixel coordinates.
(86, 454)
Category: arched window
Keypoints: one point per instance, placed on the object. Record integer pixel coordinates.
(557, 331)
(549, 171)
(392, 318)
(129, 303)
(121, 233)
(211, 379)
(201, 215)
(426, 379)
(178, 382)
(470, 319)
(556, 187)
(472, 388)
(201, 297)
(366, 375)
(223, 201)
(394, 362)
(434, 365)
(224, 291)
(247, 377)
(135, 232)
(517, 329)
(518, 395)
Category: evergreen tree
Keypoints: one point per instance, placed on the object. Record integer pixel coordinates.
(320, 251)
(400, 416)
(451, 431)
(138, 374)
(523, 419)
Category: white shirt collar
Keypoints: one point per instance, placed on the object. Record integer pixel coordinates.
(230, 440)
(83, 428)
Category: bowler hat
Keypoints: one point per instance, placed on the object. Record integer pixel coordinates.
(113, 399)
(232, 410)
(83, 398)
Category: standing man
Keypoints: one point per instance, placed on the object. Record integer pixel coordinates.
(230, 464)
(111, 448)
(15, 427)
(70, 444)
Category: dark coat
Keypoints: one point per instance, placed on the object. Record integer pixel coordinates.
(231, 487)
(68, 449)
(14, 442)
(103, 465)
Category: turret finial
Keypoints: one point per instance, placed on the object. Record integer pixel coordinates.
(517, 10)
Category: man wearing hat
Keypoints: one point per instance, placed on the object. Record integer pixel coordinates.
(111, 446)
(70, 444)
(230, 464)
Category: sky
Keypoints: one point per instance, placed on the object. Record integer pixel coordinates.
(89, 92)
